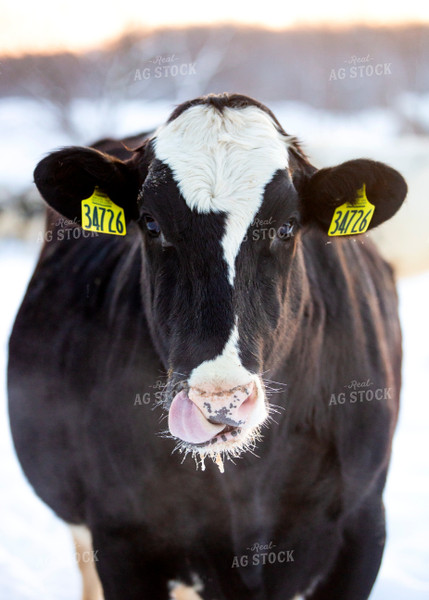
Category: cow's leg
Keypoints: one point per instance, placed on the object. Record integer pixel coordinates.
(86, 557)
(132, 564)
(358, 562)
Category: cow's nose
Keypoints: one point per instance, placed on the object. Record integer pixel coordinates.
(199, 415)
(225, 406)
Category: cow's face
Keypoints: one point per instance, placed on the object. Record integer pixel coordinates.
(220, 194)
(219, 217)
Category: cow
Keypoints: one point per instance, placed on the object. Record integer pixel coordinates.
(207, 393)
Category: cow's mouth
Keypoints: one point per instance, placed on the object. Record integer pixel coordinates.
(218, 426)
(228, 434)
(229, 444)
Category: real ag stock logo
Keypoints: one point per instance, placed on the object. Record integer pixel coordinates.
(359, 67)
(358, 392)
(165, 66)
(262, 554)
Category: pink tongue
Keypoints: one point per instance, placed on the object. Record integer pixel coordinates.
(188, 423)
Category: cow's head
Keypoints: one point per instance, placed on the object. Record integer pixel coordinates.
(221, 195)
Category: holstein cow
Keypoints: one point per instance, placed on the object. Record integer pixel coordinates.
(277, 346)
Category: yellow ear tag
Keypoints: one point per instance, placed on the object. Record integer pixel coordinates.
(352, 219)
(100, 214)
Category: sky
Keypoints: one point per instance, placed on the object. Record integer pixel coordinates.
(47, 25)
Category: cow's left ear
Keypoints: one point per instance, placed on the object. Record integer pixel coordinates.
(68, 176)
(323, 191)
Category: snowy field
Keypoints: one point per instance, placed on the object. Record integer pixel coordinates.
(36, 552)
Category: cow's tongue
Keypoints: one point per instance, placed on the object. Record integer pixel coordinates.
(187, 422)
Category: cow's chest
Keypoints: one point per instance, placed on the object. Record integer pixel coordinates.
(256, 520)
(244, 527)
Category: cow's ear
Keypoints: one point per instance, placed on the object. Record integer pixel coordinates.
(323, 191)
(68, 176)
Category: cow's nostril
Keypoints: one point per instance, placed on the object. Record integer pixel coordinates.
(222, 417)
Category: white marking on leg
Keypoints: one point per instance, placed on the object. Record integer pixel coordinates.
(181, 591)
(86, 558)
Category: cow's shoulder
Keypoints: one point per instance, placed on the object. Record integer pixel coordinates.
(82, 285)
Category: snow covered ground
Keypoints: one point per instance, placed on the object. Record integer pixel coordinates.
(36, 553)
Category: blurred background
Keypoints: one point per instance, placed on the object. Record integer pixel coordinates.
(348, 79)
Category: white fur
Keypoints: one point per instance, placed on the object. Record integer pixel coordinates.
(181, 591)
(91, 584)
(225, 372)
(221, 162)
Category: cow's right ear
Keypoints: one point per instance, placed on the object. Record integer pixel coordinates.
(68, 176)
(354, 183)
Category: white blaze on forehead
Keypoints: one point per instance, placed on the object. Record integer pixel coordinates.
(221, 162)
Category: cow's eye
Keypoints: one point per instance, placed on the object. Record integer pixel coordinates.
(287, 230)
(152, 226)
